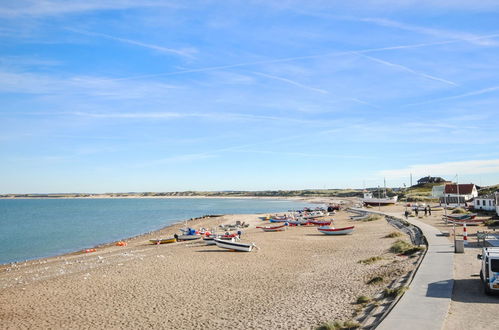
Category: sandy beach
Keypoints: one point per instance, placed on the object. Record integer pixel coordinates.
(296, 279)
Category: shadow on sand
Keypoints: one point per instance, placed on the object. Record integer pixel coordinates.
(471, 291)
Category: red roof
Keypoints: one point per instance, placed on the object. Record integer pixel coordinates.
(464, 189)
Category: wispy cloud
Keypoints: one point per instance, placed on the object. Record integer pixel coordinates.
(36, 8)
(440, 33)
(33, 83)
(445, 169)
(406, 69)
(186, 52)
(292, 82)
(306, 57)
(454, 97)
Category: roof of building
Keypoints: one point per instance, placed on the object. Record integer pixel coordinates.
(464, 189)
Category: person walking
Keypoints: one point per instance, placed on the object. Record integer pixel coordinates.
(429, 209)
(425, 211)
(416, 211)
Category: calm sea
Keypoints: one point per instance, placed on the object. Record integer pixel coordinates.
(37, 228)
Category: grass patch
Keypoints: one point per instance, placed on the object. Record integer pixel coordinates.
(394, 234)
(402, 247)
(363, 300)
(335, 325)
(491, 223)
(375, 280)
(393, 293)
(369, 261)
(371, 217)
(459, 210)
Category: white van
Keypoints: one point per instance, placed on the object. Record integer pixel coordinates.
(489, 274)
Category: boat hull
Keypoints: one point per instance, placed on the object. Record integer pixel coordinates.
(336, 231)
(461, 216)
(468, 222)
(243, 247)
(275, 228)
(320, 223)
(380, 201)
(163, 240)
(188, 237)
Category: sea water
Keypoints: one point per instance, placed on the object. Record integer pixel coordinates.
(38, 228)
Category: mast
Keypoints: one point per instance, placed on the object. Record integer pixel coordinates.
(384, 181)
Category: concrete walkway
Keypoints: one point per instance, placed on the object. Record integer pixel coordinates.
(426, 303)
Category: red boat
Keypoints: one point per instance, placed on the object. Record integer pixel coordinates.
(273, 228)
(336, 231)
(319, 223)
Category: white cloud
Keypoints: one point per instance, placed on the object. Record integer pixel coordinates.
(445, 169)
(32, 83)
(41, 8)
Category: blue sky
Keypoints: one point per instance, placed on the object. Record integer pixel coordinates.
(108, 96)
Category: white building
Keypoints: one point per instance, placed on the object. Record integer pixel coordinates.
(486, 203)
(458, 195)
(437, 191)
(497, 202)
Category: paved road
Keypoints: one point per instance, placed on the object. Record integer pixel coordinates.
(426, 304)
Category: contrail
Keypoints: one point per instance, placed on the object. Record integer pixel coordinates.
(180, 52)
(404, 68)
(292, 82)
(473, 93)
(297, 58)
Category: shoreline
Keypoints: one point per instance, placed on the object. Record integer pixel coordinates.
(174, 225)
(301, 270)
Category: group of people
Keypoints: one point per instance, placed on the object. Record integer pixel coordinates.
(427, 211)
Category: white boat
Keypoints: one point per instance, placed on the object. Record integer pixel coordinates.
(336, 231)
(273, 228)
(188, 237)
(237, 246)
(369, 199)
(210, 240)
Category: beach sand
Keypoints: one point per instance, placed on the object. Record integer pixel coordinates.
(296, 279)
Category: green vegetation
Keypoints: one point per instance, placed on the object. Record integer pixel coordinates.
(265, 193)
(488, 190)
(394, 234)
(363, 300)
(491, 223)
(371, 260)
(393, 293)
(375, 280)
(402, 247)
(335, 325)
(418, 193)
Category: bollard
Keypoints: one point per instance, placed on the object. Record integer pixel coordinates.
(465, 234)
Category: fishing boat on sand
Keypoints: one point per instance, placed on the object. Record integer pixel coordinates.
(163, 240)
(468, 222)
(210, 239)
(189, 234)
(466, 216)
(381, 200)
(336, 231)
(320, 223)
(272, 228)
(236, 246)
